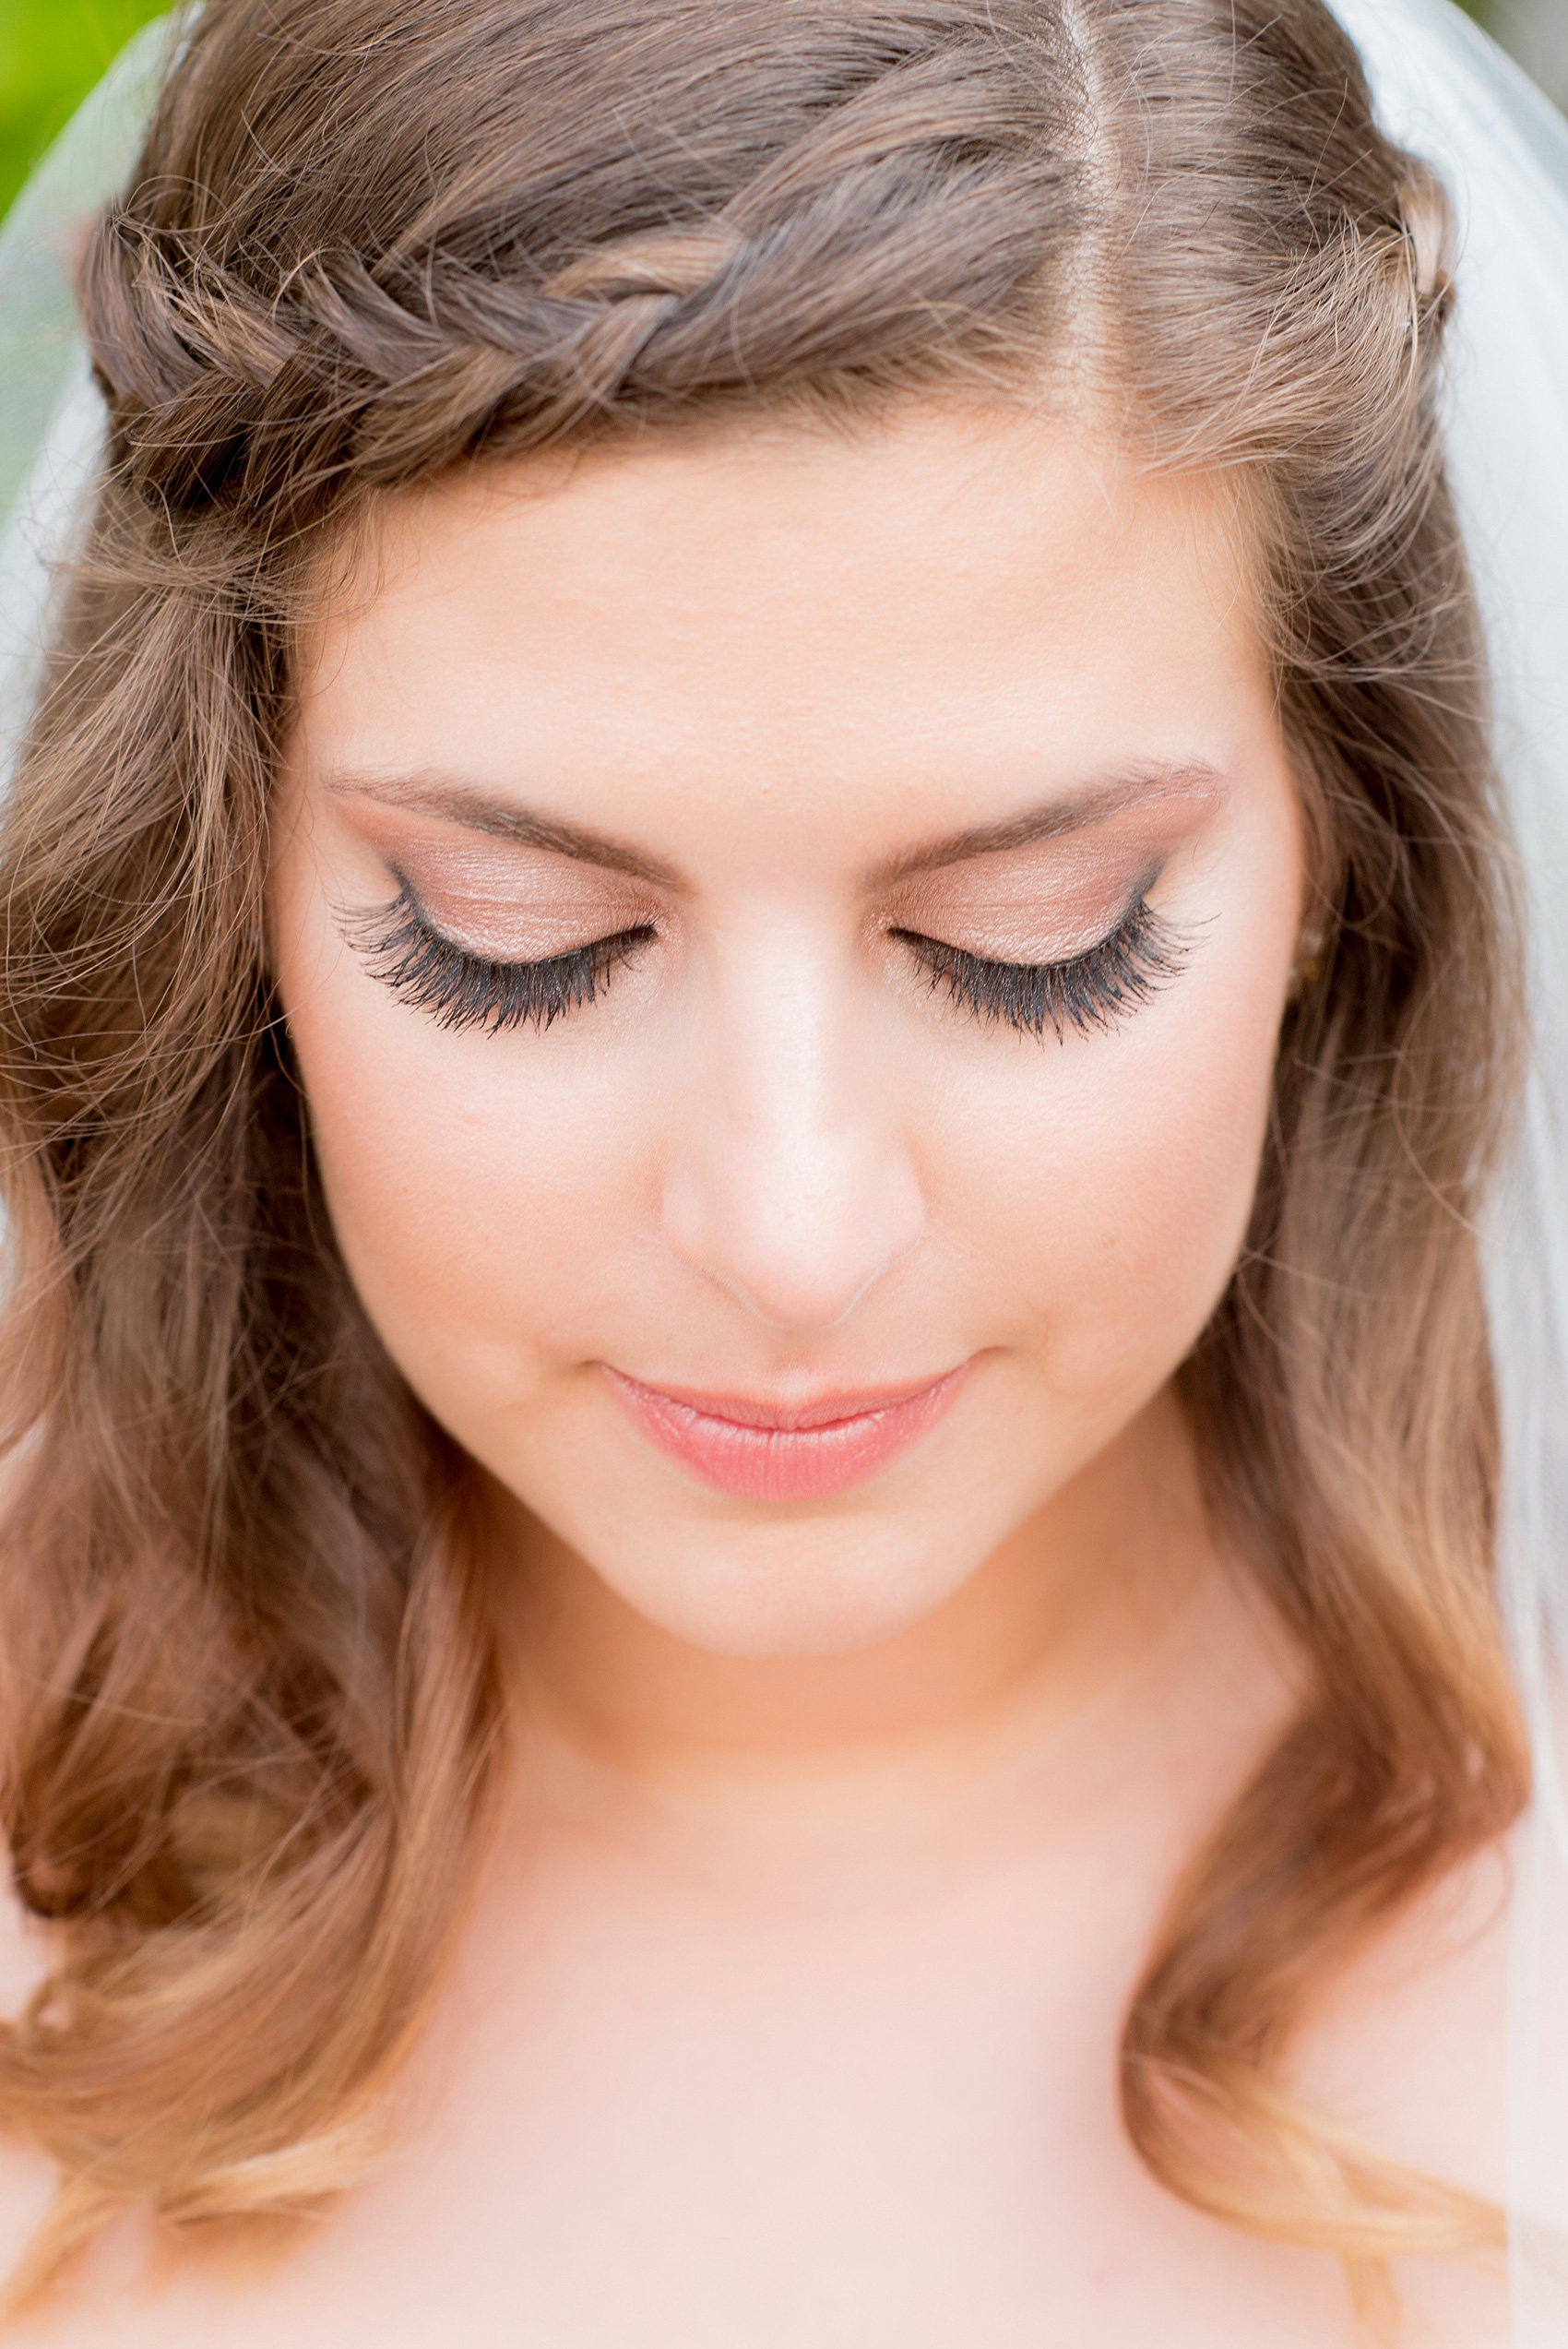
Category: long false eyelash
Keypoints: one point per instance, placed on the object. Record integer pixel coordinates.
(1092, 990)
(463, 990)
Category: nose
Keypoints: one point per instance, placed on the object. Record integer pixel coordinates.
(793, 1188)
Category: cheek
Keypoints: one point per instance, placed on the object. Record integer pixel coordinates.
(1110, 1191)
(480, 1226)
(485, 1191)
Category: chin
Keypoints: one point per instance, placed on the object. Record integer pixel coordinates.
(781, 1594)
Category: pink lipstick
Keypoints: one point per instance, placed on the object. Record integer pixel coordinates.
(761, 1451)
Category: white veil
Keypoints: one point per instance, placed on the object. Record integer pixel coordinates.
(1446, 92)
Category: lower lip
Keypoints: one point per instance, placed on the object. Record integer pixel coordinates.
(767, 1461)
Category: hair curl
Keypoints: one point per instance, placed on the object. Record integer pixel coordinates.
(251, 1705)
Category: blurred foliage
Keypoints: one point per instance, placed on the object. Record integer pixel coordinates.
(52, 51)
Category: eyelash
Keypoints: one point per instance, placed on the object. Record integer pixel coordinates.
(1088, 992)
(463, 990)
(1091, 990)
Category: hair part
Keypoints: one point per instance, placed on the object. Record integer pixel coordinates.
(250, 1684)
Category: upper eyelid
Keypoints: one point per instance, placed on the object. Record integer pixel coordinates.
(407, 906)
(506, 885)
(1131, 901)
(1005, 963)
(1002, 961)
(409, 903)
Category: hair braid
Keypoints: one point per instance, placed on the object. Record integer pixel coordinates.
(882, 246)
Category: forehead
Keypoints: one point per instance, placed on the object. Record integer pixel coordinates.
(952, 589)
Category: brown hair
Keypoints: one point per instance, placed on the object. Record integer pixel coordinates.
(250, 1702)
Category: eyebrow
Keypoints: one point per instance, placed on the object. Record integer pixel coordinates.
(1053, 819)
(453, 801)
(456, 801)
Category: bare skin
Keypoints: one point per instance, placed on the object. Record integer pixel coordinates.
(836, 1826)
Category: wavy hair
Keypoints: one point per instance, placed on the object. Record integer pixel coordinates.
(250, 1709)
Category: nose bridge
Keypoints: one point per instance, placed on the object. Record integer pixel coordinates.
(791, 1185)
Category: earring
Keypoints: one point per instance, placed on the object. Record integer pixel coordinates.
(1308, 967)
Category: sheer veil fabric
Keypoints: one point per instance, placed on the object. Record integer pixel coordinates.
(1447, 93)
(51, 417)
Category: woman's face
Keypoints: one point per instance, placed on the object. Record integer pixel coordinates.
(784, 937)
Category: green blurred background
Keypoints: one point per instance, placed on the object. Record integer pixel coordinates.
(52, 50)
(51, 54)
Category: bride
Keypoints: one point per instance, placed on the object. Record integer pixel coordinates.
(766, 1011)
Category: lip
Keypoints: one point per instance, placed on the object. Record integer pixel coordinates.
(763, 1451)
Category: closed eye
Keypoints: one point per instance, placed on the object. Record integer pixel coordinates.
(1096, 989)
(460, 989)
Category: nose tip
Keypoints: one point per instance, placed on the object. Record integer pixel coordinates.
(797, 1250)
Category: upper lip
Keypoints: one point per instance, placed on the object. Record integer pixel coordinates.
(825, 1410)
